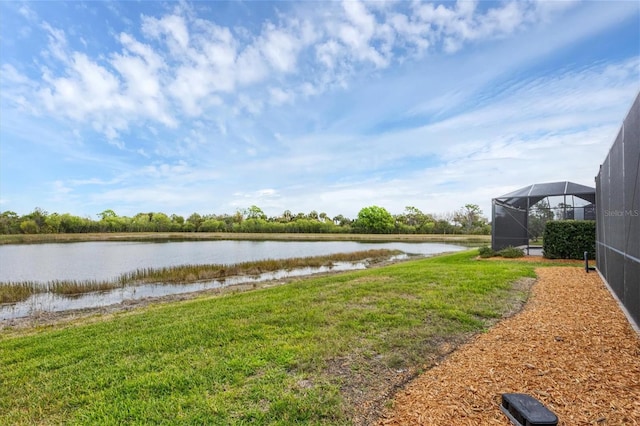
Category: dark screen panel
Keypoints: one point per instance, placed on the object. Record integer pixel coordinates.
(632, 181)
(632, 292)
(509, 227)
(618, 214)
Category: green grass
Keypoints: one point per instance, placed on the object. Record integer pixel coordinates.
(259, 357)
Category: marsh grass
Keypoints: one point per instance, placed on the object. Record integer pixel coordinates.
(184, 274)
(74, 287)
(309, 352)
(12, 292)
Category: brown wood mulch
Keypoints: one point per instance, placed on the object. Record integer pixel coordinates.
(571, 347)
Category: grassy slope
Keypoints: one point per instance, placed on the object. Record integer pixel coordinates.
(256, 357)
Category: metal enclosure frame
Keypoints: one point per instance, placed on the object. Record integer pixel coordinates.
(510, 212)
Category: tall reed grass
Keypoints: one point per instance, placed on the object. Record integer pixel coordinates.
(74, 287)
(13, 292)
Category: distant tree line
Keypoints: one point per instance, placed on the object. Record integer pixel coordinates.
(372, 220)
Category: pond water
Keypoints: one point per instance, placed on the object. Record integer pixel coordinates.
(108, 260)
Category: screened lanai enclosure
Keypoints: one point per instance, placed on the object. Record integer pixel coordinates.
(519, 217)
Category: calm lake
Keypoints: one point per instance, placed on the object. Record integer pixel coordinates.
(108, 260)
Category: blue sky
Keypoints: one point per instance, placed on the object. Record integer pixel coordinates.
(210, 107)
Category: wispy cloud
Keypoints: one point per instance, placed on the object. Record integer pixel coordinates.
(201, 62)
(312, 106)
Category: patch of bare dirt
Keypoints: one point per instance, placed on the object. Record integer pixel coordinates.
(572, 348)
(369, 384)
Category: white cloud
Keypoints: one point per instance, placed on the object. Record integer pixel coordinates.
(410, 32)
(546, 10)
(57, 43)
(60, 192)
(280, 96)
(279, 48)
(15, 88)
(463, 23)
(328, 52)
(27, 12)
(193, 65)
(172, 27)
(360, 30)
(504, 20)
(555, 128)
(88, 88)
(246, 103)
(251, 66)
(334, 105)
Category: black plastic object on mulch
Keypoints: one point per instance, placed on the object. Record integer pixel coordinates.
(525, 410)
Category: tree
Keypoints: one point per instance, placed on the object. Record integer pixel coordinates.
(444, 224)
(564, 211)
(39, 216)
(9, 222)
(160, 222)
(52, 223)
(193, 222)
(539, 215)
(340, 220)
(470, 219)
(212, 225)
(255, 212)
(374, 220)
(110, 222)
(107, 214)
(142, 222)
(72, 224)
(414, 220)
(177, 219)
(29, 226)
(412, 216)
(287, 216)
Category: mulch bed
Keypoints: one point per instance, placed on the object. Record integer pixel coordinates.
(571, 347)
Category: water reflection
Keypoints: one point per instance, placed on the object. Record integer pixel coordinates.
(104, 261)
(50, 302)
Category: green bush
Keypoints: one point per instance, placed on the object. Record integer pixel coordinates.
(569, 239)
(511, 252)
(487, 252)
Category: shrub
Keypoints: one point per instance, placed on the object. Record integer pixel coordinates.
(569, 239)
(511, 252)
(487, 252)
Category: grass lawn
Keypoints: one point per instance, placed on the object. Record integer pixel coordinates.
(267, 356)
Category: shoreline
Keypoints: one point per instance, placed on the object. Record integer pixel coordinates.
(463, 239)
(99, 313)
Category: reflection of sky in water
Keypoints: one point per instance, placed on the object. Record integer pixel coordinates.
(108, 260)
(49, 302)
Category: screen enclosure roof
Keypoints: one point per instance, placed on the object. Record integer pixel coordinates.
(530, 195)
